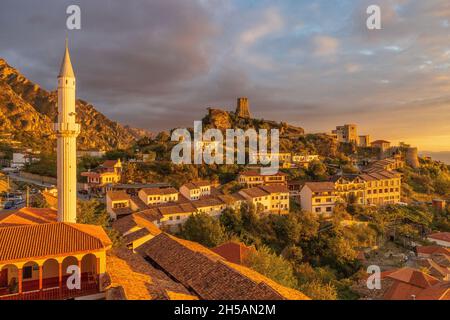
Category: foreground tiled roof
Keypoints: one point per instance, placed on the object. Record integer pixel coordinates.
(50, 239)
(209, 275)
(138, 280)
(27, 216)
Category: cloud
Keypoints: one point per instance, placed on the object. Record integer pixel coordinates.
(158, 64)
(325, 46)
(271, 22)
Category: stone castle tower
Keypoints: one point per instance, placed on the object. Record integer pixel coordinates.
(243, 108)
(67, 131)
(412, 158)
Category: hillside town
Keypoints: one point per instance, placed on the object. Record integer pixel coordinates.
(140, 227)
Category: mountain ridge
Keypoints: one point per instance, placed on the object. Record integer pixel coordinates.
(27, 111)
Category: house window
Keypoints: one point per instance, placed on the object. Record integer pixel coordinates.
(329, 209)
(318, 210)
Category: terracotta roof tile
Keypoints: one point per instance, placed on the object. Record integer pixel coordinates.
(442, 236)
(159, 191)
(118, 195)
(139, 280)
(320, 186)
(210, 275)
(255, 192)
(27, 216)
(233, 251)
(50, 239)
(429, 250)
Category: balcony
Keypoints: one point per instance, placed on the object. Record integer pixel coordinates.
(51, 290)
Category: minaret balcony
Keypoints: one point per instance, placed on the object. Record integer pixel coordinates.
(66, 128)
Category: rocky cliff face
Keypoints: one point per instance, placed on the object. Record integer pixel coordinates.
(28, 111)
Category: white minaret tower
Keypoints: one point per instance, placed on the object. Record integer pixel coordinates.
(67, 131)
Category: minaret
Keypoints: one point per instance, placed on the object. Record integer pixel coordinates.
(67, 131)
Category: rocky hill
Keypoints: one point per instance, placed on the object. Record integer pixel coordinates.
(292, 138)
(27, 112)
(222, 120)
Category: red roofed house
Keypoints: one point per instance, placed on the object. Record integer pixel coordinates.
(254, 178)
(41, 251)
(34, 260)
(411, 284)
(440, 238)
(110, 172)
(233, 251)
(383, 145)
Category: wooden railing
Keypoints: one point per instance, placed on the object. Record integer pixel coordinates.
(89, 286)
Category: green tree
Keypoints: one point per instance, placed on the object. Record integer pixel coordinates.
(272, 266)
(204, 229)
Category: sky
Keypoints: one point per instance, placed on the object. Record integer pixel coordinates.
(158, 64)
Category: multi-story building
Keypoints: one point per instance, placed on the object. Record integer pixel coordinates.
(388, 164)
(273, 199)
(109, 173)
(156, 196)
(364, 141)
(318, 197)
(348, 133)
(254, 178)
(304, 160)
(349, 188)
(375, 188)
(196, 190)
(382, 187)
(382, 145)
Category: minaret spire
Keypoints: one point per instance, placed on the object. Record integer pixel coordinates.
(67, 131)
(66, 69)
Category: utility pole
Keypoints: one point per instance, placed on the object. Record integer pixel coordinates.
(28, 197)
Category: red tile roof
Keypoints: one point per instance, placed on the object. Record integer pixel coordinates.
(233, 251)
(440, 291)
(320, 186)
(27, 216)
(429, 250)
(159, 191)
(118, 195)
(254, 173)
(50, 239)
(275, 189)
(442, 236)
(413, 277)
(109, 163)
(209, 275)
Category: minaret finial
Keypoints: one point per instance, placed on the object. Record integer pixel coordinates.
(66, 66)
